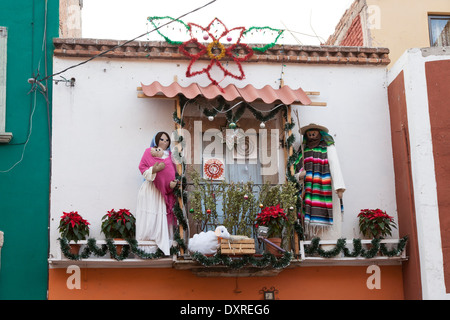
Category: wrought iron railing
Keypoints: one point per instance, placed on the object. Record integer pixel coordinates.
(234, 205)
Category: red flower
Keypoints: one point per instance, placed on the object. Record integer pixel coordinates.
(118, 224)
(73, 218)
(273, 217)
(375, 222)
(73, 227)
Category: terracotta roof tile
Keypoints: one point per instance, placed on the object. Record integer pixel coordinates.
(279, 53)
(249, 93)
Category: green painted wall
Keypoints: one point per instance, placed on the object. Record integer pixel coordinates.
(24, 190)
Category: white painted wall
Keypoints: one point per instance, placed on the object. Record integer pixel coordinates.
(412, 63)
(101, 128)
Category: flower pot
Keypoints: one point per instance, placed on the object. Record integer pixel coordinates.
(75, 248)
(273, 250)
(119, 247)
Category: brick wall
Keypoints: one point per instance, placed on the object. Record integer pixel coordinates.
(348, 31)
(354, 36)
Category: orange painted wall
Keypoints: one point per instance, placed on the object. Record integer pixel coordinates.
(324, 283)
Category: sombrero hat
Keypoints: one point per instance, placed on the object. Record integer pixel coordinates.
(313, 126)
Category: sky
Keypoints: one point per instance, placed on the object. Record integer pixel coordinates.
(307, 22)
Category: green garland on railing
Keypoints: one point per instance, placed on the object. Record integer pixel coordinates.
(179, 241)
(290, 139)
(132, 246)
(298, 228)
(178, 211)
(266, 260)
(235, 263)
(377, 246)
(92, 248)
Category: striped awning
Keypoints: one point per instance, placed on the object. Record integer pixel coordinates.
(249, 93)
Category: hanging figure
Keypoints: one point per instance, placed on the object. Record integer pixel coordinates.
(155, 219)
(323, 183)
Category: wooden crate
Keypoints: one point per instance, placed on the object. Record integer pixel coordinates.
(237, 247)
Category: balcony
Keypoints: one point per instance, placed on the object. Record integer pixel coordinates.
(389, 252)
(207, 206)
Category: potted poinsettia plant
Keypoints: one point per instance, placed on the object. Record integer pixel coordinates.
(120, 224)
(73, 228)
(274, 218)
(375, 223)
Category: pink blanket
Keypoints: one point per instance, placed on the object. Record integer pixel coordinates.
(162, 180)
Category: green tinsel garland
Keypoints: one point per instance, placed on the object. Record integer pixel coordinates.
(187, 27)
(267, 46)
(225, 107)
(298, 228)
(179, 241)
(178, 211)
(168, 40)
(92, 248)
(314, 248)
(266, 260)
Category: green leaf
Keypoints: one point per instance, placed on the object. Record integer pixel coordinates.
(174, 23)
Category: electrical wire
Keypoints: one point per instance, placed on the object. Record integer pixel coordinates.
(126, 42)
(28, 138)
(46, 77)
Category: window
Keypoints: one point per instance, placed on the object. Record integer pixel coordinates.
(239, 149)
(439, 30)
(236, 162)
(5, 137)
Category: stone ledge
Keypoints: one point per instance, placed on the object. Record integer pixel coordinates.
(5, 137)
(80, 47)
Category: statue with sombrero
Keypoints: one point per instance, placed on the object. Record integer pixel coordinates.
(318, 169)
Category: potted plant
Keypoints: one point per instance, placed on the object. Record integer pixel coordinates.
(73, 228)
(119, 225)
(274, 218)
(375, 223)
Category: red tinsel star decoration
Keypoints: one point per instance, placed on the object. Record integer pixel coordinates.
(216, 51)
(214, 37)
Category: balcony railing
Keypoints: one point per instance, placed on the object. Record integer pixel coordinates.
(212, 208)
(236, 213)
